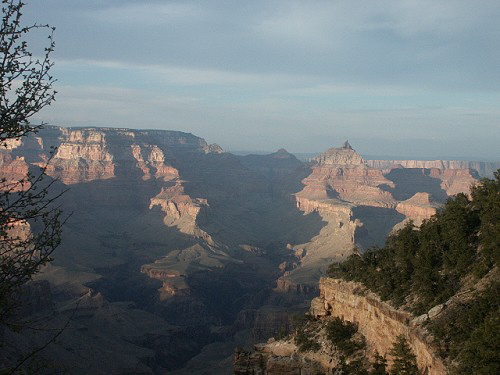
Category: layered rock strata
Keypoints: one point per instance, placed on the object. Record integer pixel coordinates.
(151, 161)
(361, 202)
(13, 170)
(484, 169)
(340, 182)
(418, 208)
(378, 321)
(88, 154)
(181, 210)
(210, 230)
(82, 156)
(343, 174)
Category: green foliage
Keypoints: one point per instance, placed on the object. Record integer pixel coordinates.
(305, 333)
(458, 331)
(343, 336)
(379, 366)
(306, 342)
(340, 333)
(426, 266)
(480, 353)
(300, 320)
(404, 361)
(486, 203)
(353, 367)
(339, 330)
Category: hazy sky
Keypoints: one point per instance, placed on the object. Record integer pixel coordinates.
(409, 78)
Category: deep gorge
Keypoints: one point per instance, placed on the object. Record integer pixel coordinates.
(194, 251)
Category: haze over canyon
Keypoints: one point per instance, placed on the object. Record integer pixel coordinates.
(177, 252)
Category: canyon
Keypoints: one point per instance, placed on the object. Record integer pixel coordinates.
(184, 251)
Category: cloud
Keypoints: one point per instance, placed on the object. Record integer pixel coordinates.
(291, 71)
(169, 74)
(144, 13)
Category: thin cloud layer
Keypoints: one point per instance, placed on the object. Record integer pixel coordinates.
(297, 74)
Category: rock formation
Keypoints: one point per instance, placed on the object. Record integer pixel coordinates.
(213, 243)
(418, 208)
(13, 170)
(81, 156)
(361, 202)
(378, 322)
(339, 183)
(483, 169)
(151, 161)
(181, 210)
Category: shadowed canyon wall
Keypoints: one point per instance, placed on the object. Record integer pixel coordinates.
(214, 246)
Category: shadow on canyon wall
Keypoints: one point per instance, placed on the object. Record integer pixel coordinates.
(408, 182)
(112, 233)
(377, 224)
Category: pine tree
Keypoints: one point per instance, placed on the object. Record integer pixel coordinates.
(404, 361)
(379, 367)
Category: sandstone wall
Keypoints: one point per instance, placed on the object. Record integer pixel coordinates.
(379, 322)
(485, 169)
(417, 208)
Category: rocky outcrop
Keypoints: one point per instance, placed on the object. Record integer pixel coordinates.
(265, 322)
(484, 169)
(378, 321)
(181, 210)
(418, 208)
(88, 154)
(275, 359)
(454, 181)
(13, 170)
(378, 325)
(340, 182)
(184, 212)
(342, 173)
(82, 156)
(151, 161)
(344, 155)
(284, 284)
(363, 201)
(175, 268)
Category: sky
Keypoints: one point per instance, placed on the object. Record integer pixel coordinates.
(409, 78)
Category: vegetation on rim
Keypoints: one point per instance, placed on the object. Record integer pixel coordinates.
(457, 250)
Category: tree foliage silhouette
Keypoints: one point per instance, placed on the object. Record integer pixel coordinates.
(30, 222)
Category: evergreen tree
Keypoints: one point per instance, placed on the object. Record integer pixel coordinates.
(379, 366)
(486, 202)
(480, 355)
(404, 361)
